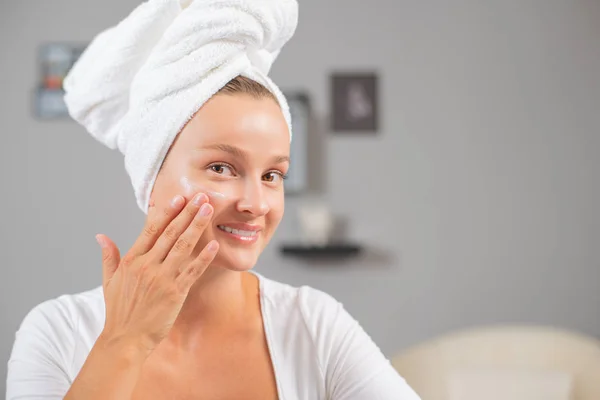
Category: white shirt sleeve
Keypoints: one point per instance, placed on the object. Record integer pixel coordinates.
(353, 366)
(42, 355)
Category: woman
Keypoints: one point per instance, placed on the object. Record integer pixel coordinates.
(180, 315)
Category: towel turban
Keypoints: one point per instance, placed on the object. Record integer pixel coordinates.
(138, 83)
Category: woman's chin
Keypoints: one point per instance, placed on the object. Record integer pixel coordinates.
(239, 263)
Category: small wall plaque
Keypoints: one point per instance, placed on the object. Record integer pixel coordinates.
(354, 102)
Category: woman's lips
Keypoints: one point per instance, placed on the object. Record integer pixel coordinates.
(243, 233)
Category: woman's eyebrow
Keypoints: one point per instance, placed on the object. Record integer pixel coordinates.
(280, 159)
(227, 148)
(237, 152)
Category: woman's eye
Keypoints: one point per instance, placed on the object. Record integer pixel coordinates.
(221, 169)
(273, 176)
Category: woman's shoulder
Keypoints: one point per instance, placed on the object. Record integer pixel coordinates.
(66, 314)
(317, 307)
(71, 305)
(54, 333)
(350, 364)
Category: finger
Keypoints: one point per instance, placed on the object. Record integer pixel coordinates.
(194, 270)
(187, 241)
(110, 257)
(176, 227)
(156, 222)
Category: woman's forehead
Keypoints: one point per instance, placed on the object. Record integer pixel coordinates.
(237, 120)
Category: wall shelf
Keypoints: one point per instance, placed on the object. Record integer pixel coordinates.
(334, 250)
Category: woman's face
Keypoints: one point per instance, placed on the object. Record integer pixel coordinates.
(236, 149)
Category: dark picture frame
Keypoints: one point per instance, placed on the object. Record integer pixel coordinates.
(354, 102)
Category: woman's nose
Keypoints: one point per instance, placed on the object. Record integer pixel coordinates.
(253, 200)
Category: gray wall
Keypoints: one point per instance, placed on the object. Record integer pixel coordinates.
(478, 198)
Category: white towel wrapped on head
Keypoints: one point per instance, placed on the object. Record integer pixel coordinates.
(139, 82)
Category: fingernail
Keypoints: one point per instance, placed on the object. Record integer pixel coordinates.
(177, 201)
(199, 199)
(205, 209)
(100, 241)
(212, 246)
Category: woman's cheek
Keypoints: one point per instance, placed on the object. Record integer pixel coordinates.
(191, 188)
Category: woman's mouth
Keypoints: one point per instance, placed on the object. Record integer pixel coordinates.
(242, 235)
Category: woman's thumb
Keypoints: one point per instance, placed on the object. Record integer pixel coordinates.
(110, 257)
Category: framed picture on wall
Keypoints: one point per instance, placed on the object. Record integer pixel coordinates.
(55, 61)
(354, 103)
(298, 172)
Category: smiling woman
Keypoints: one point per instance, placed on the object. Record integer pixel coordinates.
(237, 145)
(180, 315)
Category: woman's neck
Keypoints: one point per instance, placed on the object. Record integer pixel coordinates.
(220, 301)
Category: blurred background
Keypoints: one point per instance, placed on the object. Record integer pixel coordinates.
(474, 200)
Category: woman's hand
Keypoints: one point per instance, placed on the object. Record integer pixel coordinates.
(145, 290)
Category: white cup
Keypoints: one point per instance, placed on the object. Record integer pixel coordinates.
(316, 224)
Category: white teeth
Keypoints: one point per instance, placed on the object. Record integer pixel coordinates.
(237, 231)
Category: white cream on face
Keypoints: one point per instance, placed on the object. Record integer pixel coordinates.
(192, 188)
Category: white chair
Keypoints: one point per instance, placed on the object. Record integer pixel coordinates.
(508, 362)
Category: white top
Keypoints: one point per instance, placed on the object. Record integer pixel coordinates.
(317, 349)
